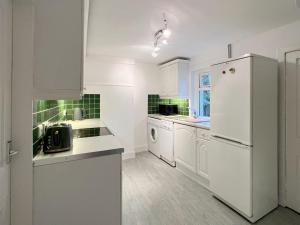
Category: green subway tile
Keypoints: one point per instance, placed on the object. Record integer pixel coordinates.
(34, 120)
(38, 119)
(36, 147)
(35, 134)
(69, 117)
(53, 110)
(76, 102)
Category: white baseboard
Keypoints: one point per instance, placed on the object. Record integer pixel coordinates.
(137, 149)
(128, 155)
(141, 148)
(204, 182)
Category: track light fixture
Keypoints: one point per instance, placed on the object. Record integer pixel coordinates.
(163, 34)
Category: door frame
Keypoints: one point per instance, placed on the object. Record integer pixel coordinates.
(282, 151)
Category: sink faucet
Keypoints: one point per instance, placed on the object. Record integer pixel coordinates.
(193, 111)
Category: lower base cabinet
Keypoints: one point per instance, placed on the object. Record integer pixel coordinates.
(86, 191)
(185, 146)
(202, 157)
(191, 153)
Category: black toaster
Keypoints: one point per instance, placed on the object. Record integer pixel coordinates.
(58, 138)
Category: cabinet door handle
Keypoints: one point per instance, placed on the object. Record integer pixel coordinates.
(232, 70)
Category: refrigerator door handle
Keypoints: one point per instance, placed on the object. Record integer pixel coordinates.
(229, 141)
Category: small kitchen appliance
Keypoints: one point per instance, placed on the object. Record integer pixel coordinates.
(168, 109)
(79, 113)
(58, 138)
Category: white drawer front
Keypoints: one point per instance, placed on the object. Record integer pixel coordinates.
(203, 133)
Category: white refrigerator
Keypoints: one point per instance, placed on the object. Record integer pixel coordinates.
(243, 147)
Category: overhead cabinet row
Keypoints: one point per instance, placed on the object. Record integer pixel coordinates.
(175, 79)
(59, 48)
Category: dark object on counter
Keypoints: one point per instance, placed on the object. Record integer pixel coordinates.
(58, 138)
(91, 132)
(168, 109)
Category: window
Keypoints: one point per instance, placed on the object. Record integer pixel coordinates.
(204, 94)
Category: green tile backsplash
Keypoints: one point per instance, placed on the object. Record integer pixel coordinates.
(155, 100)
(56, 110)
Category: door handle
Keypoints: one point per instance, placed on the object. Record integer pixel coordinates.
(11, 153)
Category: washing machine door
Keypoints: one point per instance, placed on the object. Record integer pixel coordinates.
(153, 141)
(153, 134)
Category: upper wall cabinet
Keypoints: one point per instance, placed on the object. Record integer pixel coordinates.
(175, 79)
(59, 48)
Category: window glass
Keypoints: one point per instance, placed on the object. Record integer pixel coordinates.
(204, 103)
(204, 80)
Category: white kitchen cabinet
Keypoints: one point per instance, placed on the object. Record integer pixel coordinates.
(202, 157)
(203, 136)
(82, 191)
(175, 79)
(59, 48)
(185, 146)
(191, 152)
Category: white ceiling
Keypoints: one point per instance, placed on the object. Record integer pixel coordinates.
(125, 28)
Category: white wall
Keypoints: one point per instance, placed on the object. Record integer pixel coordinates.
(146, 81)
(124, 86)
(273, 44)
(268, 44)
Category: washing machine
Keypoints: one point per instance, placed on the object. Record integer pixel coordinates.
(153, 136)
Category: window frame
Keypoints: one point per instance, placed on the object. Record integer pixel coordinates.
(197, 88)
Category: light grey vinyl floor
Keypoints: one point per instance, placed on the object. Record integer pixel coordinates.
(156, 194)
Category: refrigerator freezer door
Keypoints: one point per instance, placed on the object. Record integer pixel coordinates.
(230, 174)
(231, 100)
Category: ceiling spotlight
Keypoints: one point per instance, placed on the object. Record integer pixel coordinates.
(156, 49)
(167, 33)
(161, 36)
(154, 54)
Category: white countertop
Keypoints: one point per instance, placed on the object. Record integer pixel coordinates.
(83, 147)
(203, 125)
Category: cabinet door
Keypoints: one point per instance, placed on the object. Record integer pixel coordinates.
(185, 146)
(172, 89)
(164, 80)
(58, 46)
(202, 158)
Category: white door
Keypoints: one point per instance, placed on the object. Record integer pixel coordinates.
(230, 174)
(5, 107)
(185, 146)
(293, 129)
(231, 100)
